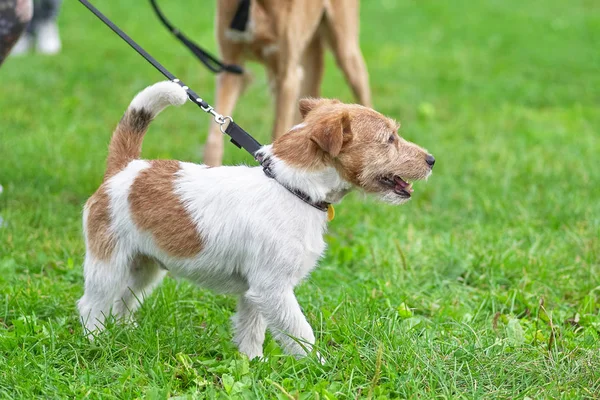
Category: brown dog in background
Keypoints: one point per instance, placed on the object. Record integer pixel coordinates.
(288, 38)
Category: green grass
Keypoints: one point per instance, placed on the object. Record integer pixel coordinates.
(486, 285)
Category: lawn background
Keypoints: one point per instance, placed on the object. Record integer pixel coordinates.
(486, 285)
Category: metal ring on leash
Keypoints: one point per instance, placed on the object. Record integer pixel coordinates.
(223, 125)
(219, 119)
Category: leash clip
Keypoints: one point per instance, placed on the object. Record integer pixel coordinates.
(219, 119)
(223, 121)
(207, 108)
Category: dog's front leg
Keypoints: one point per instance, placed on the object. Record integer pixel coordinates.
(229, 88)
(249, 327)
(284, 318)
(287, 89)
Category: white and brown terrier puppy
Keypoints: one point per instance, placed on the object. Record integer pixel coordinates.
(235, 229)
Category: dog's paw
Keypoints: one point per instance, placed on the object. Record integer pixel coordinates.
(252, 353)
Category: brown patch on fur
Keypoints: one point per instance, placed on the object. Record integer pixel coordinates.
(156, 209)
(99, 237)
(126, 143)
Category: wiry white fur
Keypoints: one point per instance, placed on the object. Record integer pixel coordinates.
(392, 198)
(111, 285)
(323, 185)
(259, 241)
(155, 98)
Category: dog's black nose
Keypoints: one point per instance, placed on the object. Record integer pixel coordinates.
(430, 160)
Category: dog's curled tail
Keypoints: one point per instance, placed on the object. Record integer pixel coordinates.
(126, 143)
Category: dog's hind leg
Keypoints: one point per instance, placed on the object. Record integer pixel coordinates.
(145, 274)
(104, 282)
(341, 23)
(249, 327)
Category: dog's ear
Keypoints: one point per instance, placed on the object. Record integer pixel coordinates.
(308, 104)
(329, 135)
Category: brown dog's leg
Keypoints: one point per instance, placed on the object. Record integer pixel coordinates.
(287, 89)
(229, 88)
(296, 23)
(287, 86)
(341, 22)
(312, 64)
(313, 68)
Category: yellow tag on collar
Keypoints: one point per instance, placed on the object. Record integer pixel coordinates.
(330, 213)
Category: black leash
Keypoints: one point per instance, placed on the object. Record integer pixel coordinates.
(239, 137)
(210, 61)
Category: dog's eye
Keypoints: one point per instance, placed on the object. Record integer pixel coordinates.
(392, 138)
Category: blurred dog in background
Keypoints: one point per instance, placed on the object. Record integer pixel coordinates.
(288, 37)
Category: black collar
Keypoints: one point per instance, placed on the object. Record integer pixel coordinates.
(319, 205)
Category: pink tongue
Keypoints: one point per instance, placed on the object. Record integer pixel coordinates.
(400, 184)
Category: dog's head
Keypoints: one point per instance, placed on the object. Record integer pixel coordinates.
(362, 145)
